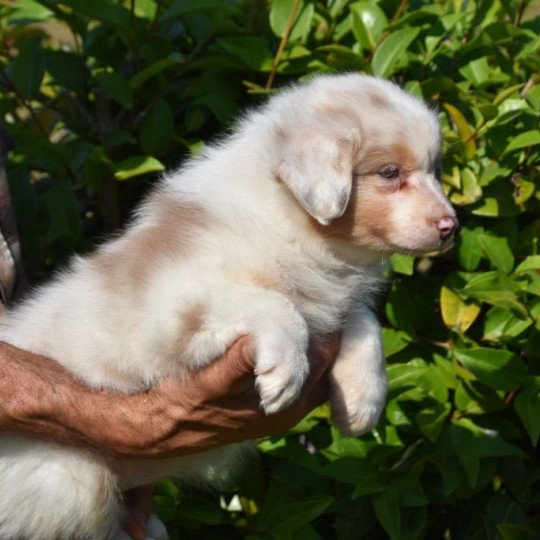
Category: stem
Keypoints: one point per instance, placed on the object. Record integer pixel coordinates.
(521, 10)
(402, 7)
(282, 44)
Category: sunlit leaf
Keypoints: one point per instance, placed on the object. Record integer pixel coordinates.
(391, 50)
(137, 165)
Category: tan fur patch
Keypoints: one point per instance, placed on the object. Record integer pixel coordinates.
(404, 156)
(377, 157)
(170, 232)
(366, 221)
(190, 323)
(378, 101)
(265, 281)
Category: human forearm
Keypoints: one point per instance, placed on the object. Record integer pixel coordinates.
(213, 407)
(40, 398)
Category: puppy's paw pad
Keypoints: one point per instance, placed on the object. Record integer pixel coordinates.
(356, 423)
(357, 414)
(281, 373)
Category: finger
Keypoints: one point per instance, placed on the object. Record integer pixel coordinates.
(139, 506)
(322, 354)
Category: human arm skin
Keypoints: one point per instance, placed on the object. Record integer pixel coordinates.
(213, 407)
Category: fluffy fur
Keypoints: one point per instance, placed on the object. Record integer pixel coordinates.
(275, 232)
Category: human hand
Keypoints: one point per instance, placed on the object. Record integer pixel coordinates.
(216, 406)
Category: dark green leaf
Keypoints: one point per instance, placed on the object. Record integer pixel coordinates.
(386, 506)
(115, 85)
(491, 366)
(28, 68)
(157, 128)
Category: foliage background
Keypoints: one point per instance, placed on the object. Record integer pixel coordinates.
(98, 96)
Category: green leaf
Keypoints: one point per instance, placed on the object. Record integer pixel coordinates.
(403, 264)
(157, 128)
(180, 8)
(355, 470)
(405, 375)
(466, 132)
(491, 366)
(530, 263)
(497, 251)
(513, 531)
(252, 51)
(137, 165)
(527, 406)
(391, 50)
(523, 140)
(469, 250)
(289, 516)
(280, 13)
(29, 11)
(470, 190)
(102, 10)
(432, 420)
(67, 68)
(369, 21)
(476, 71)
(115, 85)
(386, 507)
(394, 341)
(496, 289)
(155, 68)
(62, 209)
(28, 68)
(501, 323)
(410, 489)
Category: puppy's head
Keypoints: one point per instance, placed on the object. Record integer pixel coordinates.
(362, 158)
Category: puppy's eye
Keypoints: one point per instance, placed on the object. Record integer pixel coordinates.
(389, 172)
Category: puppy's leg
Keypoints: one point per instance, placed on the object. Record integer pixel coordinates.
(280, 337)
(55, 493)
(358, 380)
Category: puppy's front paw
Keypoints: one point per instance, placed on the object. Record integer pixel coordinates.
(282, 366)
(357, 410)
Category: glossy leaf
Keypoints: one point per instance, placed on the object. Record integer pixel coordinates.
(136, 166)
(391, 50)
(455, 312)
(369, 21)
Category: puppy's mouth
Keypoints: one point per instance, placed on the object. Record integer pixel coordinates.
(443, 246)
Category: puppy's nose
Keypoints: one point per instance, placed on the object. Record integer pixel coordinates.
(446, 225)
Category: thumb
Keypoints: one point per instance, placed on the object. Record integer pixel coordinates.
(232, 373)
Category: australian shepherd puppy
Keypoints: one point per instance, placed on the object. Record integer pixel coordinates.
(275, 232)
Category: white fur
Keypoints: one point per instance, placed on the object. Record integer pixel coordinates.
(119, 336)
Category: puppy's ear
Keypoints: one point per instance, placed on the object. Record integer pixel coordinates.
(316, 163)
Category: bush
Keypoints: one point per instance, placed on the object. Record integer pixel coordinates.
(100, 95)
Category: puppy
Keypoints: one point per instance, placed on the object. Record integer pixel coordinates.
(275, 232)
